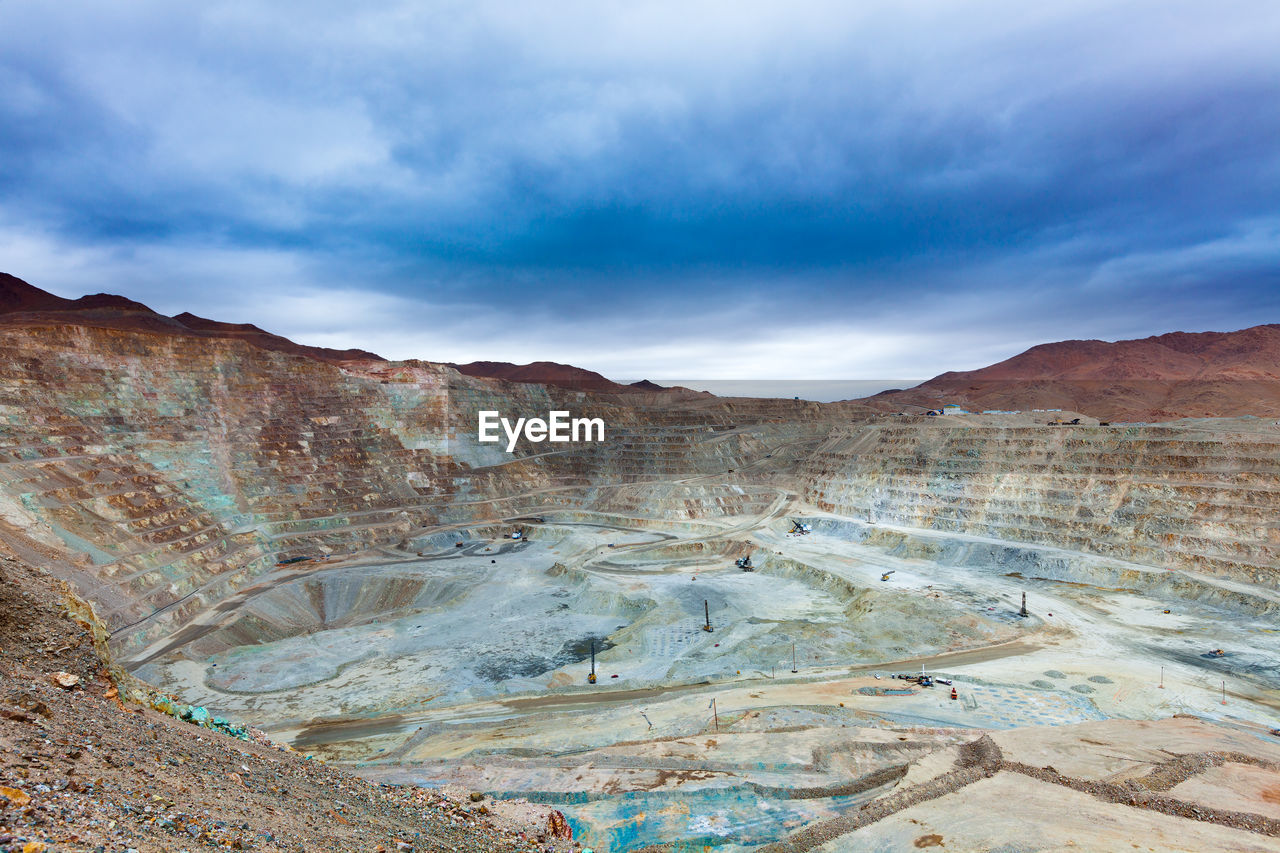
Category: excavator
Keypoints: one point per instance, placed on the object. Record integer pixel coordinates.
(885, 576)
(799, 528)
(591, 679)
(744, 563)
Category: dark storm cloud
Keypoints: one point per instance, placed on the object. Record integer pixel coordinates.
(943, 183)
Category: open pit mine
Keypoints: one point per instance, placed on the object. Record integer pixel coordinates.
(733, 623)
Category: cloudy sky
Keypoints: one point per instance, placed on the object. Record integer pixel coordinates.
(818, 190)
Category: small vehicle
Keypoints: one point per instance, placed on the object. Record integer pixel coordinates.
(922, 680)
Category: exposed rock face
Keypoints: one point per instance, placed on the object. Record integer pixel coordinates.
(1207, 374)
(172, 475)
(84, 762)
(174, 469)
(1166, 496)
(168, 470)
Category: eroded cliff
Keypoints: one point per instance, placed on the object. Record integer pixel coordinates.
(166, 472)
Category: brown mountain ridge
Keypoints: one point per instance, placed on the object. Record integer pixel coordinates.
(1175, 375)
(542, 373)
(23, 304)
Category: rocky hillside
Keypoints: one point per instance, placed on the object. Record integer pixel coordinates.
(87, 764)
(543, 373)
(168, 467)
(24, 305)
(162, 472)
(1180, 498)
(1207, 374)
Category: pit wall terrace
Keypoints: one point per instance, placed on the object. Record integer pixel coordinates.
(161, 474)
(1159, 495)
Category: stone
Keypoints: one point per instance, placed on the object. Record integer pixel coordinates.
(65, 680)
(15, 796)
(558, 827)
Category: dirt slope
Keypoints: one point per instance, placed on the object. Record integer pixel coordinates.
(79, 770)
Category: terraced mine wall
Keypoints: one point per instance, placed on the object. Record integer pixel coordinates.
(163, 473)
(1171, 496)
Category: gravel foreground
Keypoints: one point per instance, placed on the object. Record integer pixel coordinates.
(82, 770)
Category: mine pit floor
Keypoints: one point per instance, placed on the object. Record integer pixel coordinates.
(469, 667)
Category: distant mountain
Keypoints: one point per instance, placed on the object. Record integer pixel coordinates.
(1181, 374)
(264, 339)
(23, 304)
(542, 373)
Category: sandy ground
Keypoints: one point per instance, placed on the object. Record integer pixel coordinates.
(1019, 815)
